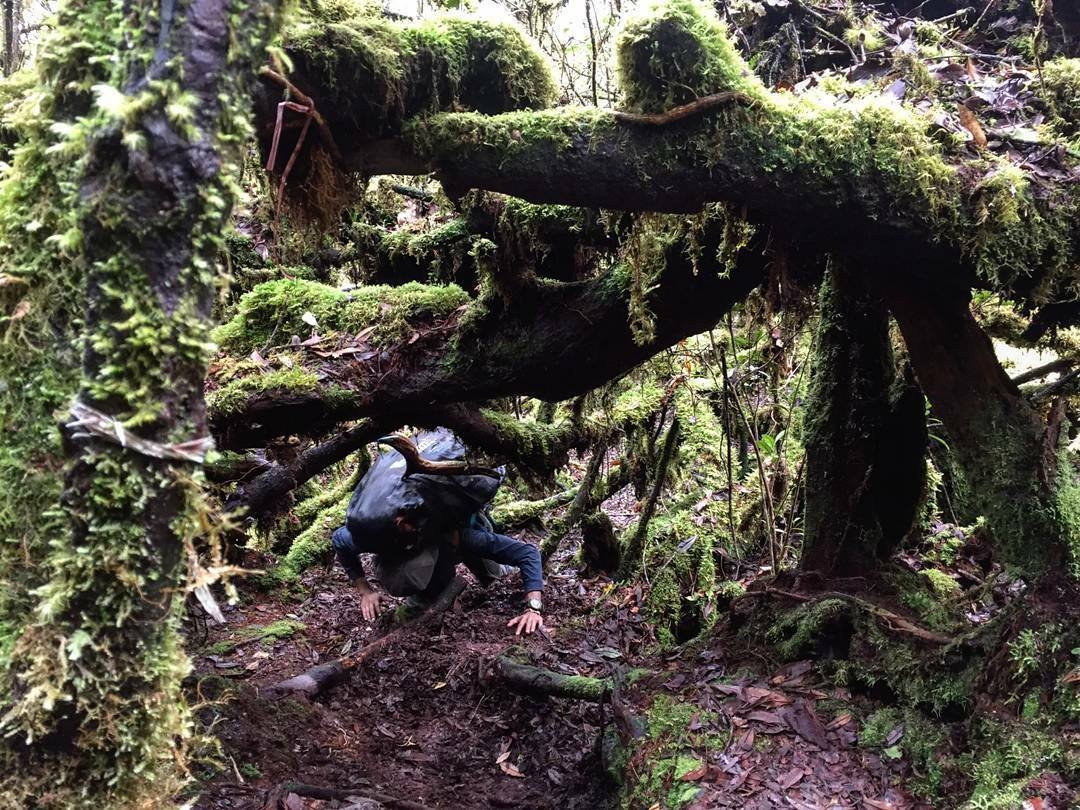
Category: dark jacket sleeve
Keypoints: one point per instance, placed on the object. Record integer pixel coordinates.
(508, 551)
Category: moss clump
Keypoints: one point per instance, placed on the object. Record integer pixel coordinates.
(379, 73)
(666, 753)
(920, 741)
(671, 52)
(1061, 86)
(1011, 756)
(313, 544)
(231, 397)
(277, 309)
(275, 631)
(944, 585)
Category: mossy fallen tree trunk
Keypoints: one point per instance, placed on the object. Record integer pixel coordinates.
(862, 177)
(542, 343)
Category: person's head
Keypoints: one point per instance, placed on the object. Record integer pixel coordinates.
(406, 524)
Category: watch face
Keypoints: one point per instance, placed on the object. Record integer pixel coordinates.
(535, 604)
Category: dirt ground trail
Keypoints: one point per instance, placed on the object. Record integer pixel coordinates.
(427, 721)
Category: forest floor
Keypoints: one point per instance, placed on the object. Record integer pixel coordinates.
(427, 720)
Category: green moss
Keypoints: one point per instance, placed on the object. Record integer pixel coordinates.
(944, 585)
(668, 751)
(1061, 88)
(378, 73)
(313, 544)
(671, 52)
(921, 741)
(277, 308)
(275, 631)
(1011, 755)
(231, 397)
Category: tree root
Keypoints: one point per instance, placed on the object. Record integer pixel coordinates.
(539, 682)
(895, 621)
(323, 676)
(276, 798)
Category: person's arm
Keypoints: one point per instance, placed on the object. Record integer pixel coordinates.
(525, 557)
(348, 554)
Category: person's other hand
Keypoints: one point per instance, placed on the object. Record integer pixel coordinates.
(370, 604)
(526, 623)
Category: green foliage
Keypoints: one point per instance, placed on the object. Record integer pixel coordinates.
(1061, 87)
(921, 741)
(670, 52)
(1011, 755)
(667, 752)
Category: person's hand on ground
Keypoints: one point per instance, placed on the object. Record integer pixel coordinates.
(526, 623)
(370, 600)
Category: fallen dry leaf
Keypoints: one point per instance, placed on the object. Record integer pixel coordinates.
(969, 122)
(510, 770)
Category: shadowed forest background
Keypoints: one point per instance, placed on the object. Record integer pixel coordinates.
(769, 308)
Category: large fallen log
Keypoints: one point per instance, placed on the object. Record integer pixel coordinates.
(323, 676)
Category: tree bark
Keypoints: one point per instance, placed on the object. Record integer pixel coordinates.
(95, 707)
(545, 343)
(864, 443)
(1010, 473)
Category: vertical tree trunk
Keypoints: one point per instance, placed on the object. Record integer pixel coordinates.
(11, 38)
(1008, 460)
(865, 435)
(94, 713)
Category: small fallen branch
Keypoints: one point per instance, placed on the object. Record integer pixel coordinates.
(322, 676)
(277, 797)
(540, 682)
(695, 107)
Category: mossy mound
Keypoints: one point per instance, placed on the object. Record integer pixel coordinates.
(674, 51)
(277, 309)
(379, 73)
(1061, 85)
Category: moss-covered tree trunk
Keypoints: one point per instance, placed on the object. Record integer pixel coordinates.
(865, 435)
(94, 713)
(1011, 467)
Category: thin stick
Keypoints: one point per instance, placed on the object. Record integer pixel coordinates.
(329, 793)
(695, 107)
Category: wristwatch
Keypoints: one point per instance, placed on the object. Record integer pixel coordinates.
(534, 604)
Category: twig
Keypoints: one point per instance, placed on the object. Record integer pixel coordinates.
(895, 620)
(695, 107)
